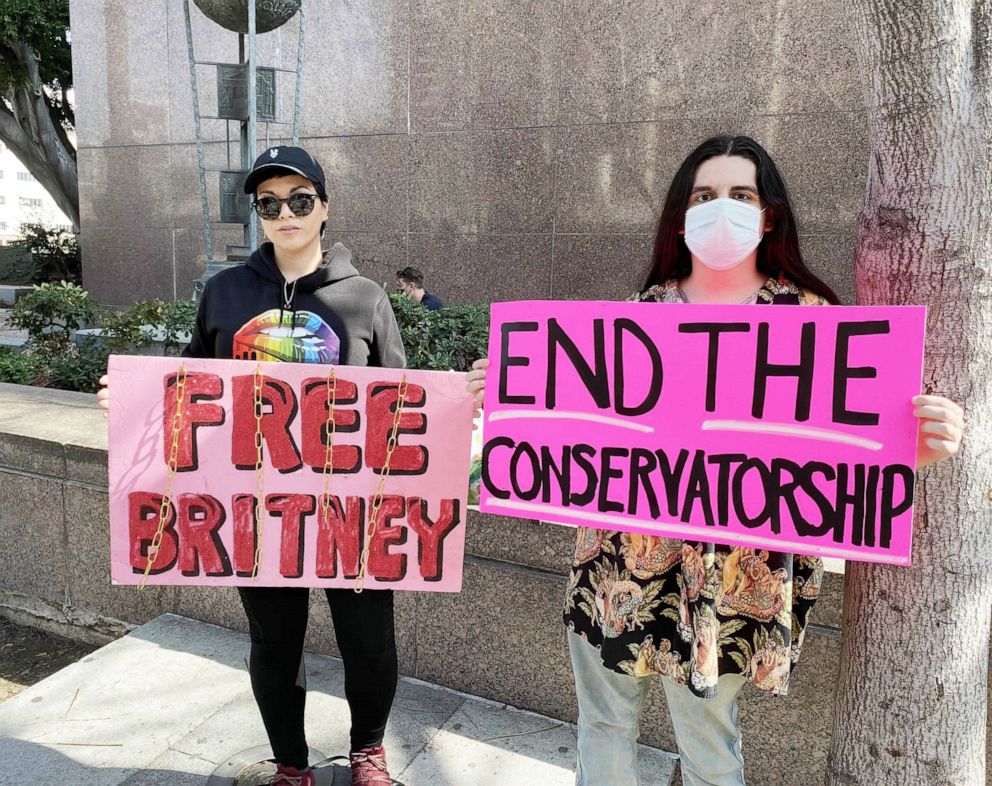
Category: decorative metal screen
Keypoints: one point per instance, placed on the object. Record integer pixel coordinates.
(232, 92)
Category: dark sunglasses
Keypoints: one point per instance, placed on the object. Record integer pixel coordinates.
(269, 208)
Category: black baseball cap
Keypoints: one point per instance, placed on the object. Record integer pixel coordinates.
(285, 159)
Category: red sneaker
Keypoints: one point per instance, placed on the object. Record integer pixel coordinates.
(290, 776)
(368, 767)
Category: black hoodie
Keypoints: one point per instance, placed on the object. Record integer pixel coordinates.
(332, 315)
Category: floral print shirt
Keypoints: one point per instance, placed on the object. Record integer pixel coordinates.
(692, 611)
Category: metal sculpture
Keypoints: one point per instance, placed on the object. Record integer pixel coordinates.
(247, 95)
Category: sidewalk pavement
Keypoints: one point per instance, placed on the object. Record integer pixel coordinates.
(170, 703)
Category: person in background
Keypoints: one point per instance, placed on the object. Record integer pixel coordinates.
(410, 282)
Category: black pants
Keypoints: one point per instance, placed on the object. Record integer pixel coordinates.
(363, 626)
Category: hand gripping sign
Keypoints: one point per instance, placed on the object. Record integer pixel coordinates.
(278, 474)
(787, 428)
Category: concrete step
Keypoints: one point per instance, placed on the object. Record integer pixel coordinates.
(11, 293)
(13, 340)
(171, 703)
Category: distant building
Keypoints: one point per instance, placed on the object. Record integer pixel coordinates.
(23, 199)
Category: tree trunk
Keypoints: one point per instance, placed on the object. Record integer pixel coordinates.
(28, 129)
(910, 708)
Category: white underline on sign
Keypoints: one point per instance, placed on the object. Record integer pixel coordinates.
(537, 414)
(584, 518)
(791, 430)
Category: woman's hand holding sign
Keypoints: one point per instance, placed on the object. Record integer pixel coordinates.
(103, 397)
(476, 384)
(941, 428)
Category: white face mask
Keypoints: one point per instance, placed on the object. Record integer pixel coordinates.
(722, 233)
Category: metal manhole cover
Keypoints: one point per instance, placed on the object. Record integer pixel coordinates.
(252, 767)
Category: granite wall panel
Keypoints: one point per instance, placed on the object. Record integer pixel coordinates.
(512, 149)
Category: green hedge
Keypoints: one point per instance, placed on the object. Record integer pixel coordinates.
(446, 340)
(53, 311)
(449, 339)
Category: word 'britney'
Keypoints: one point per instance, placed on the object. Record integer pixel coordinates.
(203, 538)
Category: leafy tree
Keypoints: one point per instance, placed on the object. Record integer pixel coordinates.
(36, 118)
(54, 253)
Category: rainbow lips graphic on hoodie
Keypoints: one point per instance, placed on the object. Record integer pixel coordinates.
(291, 336)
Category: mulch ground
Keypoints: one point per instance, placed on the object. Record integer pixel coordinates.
(28, 655)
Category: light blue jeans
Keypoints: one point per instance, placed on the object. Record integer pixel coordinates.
(609, 724)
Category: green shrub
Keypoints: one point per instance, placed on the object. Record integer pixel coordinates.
(50, 314)
(179, 320)
(23, 368)
(122, 334)
(54, 253)
(80, 368)
(446, 340)
(126, 331)
(77, 368)
(449, 339)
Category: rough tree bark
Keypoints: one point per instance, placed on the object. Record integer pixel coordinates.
(29, 129)
(911, 701)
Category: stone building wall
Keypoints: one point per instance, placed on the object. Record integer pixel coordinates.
(510, 148)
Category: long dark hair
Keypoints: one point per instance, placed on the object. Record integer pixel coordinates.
(778, 253)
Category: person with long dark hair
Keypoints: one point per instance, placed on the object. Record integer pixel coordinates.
(291, 301)
(706, 618)
(777, 257)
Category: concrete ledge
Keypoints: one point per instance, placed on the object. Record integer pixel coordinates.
(61, 620)
(47, 415)
(15, 343)
(32, 455)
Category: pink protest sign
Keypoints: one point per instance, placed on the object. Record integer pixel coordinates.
(787, 428)
(337, 494)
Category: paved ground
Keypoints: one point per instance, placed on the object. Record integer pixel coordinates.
(170, 703)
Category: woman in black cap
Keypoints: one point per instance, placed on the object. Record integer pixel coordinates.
(292, 302)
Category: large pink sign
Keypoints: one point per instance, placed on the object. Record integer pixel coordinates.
(268, 487)
(782, 427)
